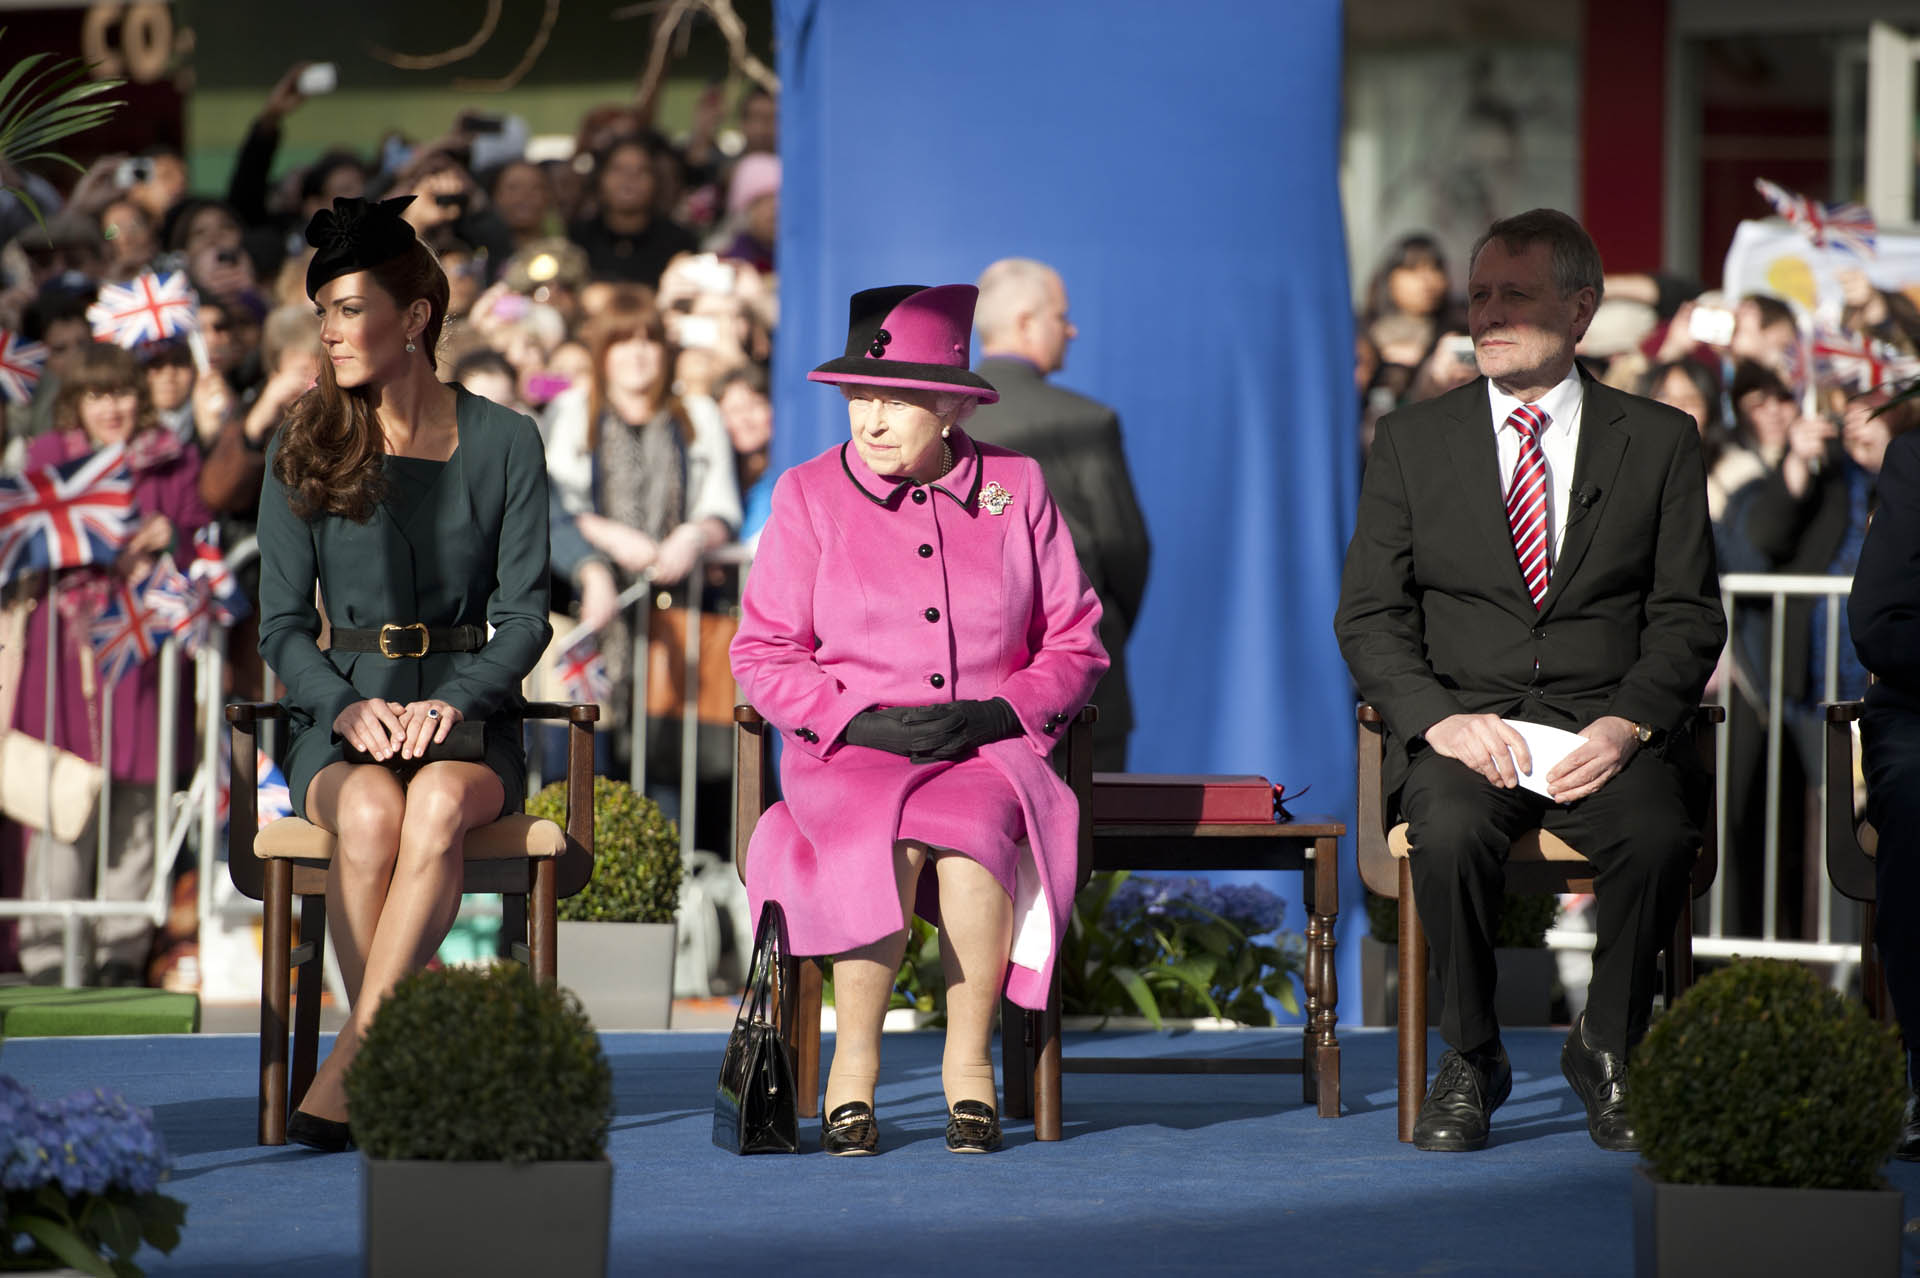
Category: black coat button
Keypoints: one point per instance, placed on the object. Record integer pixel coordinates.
(926, 551)
(807, 735)
(938, 681)
(933, 614)
(1054, 722)
(1539, 634)
(919, 496)
(1536, 692)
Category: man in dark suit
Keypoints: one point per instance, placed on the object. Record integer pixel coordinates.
(1884, 613)
(1535, 546)
(1024, 330)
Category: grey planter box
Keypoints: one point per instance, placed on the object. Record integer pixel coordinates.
(486, 1220)
(623, 972)
(1709, 1231)
(1524, 995)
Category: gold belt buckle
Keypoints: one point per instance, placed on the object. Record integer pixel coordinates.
(388, 629)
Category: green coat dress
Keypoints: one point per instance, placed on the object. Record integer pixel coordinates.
(468, 547)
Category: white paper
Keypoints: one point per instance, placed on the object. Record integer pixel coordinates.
(1547, 746)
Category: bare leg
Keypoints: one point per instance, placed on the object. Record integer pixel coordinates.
(862, 982)
(976, 935)
(362, 804)
(444, 801)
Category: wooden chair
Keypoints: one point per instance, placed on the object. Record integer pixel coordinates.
(1851, 847)
(1536, 862)
(530, 862)
(1033, 1091)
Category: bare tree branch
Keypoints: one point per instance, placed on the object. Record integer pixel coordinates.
(434, 61)
(520, 69)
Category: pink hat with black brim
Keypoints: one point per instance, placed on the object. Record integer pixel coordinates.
(911, 336)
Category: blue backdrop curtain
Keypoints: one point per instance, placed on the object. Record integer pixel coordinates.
(1178, 165)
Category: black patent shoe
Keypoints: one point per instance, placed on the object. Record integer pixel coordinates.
(323, 1134)
(1599, 1079)
(1458, 1111)
(1908, 1150)
(851, 1130)
(972, 1128)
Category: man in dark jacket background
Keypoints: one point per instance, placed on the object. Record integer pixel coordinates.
(1024, 330)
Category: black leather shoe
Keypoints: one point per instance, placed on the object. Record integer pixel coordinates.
(1908, 1149)
(1459, 1106)
(972, 1128)
(1599, 1079)
(323, 1134)
(851, 1130)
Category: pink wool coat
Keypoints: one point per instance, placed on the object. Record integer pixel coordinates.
(867, 592)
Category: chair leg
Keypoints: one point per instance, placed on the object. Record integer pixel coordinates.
(807, 1039)
(513, 929)
(1016, 1061)
(543, 924)
(1680, 955)
(1047, 1101)
(306, 1005)
(275, 942)
(1413, 1006)
(1873, 976)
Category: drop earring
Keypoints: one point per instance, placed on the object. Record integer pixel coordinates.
(946, 431)
(409, 346)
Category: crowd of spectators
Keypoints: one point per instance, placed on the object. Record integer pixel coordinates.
(1792, 442)
(619, 286)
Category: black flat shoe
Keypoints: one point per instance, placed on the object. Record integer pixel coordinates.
(1458, 1111)
(323, 1134)
(1599, 1079)
(851, 1131)
(972, 1128)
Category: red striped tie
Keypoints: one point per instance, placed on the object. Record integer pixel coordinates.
(1527, 501)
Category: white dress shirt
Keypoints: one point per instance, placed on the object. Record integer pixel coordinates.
(1558, 442)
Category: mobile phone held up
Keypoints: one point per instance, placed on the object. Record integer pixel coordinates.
(317, 78)
(132, 172)
(1711, 325)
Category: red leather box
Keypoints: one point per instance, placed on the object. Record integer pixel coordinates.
(1148, 798)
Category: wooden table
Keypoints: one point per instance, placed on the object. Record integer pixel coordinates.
(1309, 845)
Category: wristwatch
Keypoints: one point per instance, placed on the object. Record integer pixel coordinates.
(1645, 733)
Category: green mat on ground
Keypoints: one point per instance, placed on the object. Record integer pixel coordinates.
(40, 1011)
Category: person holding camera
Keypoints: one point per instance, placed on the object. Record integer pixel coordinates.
(420, 513)
(919, 631)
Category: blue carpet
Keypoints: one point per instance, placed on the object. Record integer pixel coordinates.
(1157, 1174)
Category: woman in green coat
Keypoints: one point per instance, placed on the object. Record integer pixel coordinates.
(419, 512)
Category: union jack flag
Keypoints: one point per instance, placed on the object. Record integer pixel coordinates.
(128, 631)
(1859, 361)
(275, 800)
(149, 308)
(1847, 227)
(210, 574)
(20, 365)
(66, 515)
(173, 597)
(582, 672)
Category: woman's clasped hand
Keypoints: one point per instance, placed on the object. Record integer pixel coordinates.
(935, 733)
(384, 729)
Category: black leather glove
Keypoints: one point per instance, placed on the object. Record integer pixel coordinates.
(975, 724)
(903, 730)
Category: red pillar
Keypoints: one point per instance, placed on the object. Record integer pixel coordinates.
(1623, 83)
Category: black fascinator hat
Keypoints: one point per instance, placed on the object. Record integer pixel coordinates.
(356, 234)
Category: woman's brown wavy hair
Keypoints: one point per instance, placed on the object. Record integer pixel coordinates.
(628, 314)
(330, 445)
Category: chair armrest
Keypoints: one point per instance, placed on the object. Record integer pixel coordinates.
(1711, 712)
(1853, 872)
(747, 715)
(571, 711)
(1842, 711)
(244, 714)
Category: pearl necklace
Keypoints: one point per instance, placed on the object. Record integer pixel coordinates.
(946, 457)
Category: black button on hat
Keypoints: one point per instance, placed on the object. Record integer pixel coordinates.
(926, 551)
(938, 681)
(933, 614)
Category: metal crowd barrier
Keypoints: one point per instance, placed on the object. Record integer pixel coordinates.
(1776, 589)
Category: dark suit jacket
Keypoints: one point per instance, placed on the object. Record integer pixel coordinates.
(1884, 612)
(1434, 616)
(1076, 440)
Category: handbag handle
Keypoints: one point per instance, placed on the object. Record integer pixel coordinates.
(772, 997)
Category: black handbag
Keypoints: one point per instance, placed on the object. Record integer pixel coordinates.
(756, 1107)
(466, 743)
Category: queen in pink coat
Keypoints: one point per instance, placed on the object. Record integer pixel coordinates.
(918, 629)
